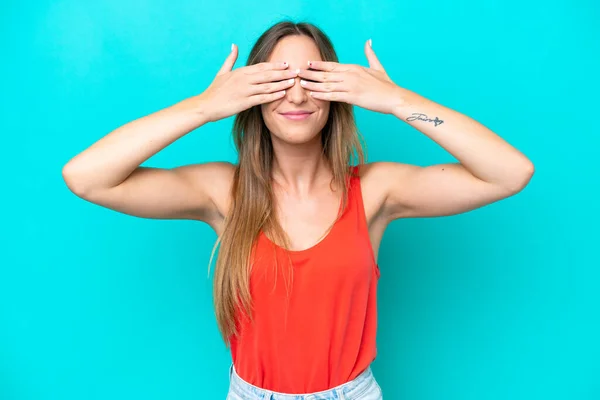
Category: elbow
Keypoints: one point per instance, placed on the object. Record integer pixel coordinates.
(522, 179)
(528, 171)
(75, 185)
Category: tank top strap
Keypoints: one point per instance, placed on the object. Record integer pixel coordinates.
(354, 191)
(355, 199)
(353, 183)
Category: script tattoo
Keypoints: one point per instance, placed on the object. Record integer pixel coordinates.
(423, 117)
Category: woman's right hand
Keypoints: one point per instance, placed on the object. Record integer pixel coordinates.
(233, 91)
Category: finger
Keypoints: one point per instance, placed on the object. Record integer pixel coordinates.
(265, 66)
(270, 87)
(324, 87)
(320, 76)
(325, 65)
(331, 96)
(265, 98)
(272, 76)
(229, 61)
(372, 58)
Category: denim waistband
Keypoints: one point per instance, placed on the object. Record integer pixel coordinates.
(363, 383)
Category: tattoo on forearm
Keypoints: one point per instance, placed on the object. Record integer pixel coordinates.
(423, 117)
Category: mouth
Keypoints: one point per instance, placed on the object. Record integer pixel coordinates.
(296, 116)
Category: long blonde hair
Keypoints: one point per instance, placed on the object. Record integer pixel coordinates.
(252, 207)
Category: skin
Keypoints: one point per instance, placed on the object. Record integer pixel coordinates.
(390, 190)
(109, 174)
(307, 206)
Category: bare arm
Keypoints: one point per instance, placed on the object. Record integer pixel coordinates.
(109, 174)
(489, 169)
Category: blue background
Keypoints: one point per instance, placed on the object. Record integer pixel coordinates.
(499, 303)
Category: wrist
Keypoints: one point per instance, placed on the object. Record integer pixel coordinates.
(404, 104)
(193, 107)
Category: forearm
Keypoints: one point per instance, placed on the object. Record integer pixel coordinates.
(110, 160)
(483, 153)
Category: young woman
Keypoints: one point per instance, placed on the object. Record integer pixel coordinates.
(299, 227)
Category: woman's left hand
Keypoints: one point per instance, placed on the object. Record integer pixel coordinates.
(369, 88)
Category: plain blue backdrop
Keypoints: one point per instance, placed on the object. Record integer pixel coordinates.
(499, 303)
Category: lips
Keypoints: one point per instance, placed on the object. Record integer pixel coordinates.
(296, 115)
(297, 112)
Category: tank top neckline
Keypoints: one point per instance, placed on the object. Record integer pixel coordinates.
(328, 235)
(314, 246)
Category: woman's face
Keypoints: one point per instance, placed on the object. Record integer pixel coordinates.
(297, 51)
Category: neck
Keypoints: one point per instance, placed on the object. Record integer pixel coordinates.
(299, 168)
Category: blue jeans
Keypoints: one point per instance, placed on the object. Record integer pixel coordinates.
(363, 387)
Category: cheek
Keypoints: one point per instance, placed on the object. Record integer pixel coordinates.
(323, 105)
(267, 112)
(265, 109)
(325, 108)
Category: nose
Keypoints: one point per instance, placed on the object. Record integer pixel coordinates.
(296, 94)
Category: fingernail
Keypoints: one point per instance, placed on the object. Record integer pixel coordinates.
(302, 82)
(309, 63)
(231, 46)
(371, 43)
(298, 71)
(291, 80)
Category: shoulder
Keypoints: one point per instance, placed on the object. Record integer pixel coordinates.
(214, 179)
(378, 182)
(376, 175)
(210, 175)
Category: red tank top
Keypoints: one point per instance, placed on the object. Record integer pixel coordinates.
(322, 333)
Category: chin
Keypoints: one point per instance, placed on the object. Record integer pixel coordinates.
(296, 136)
